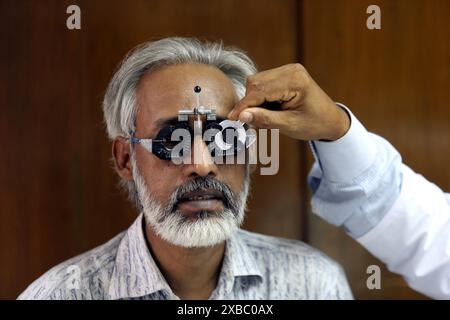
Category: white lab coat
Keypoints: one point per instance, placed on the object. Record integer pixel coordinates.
(413, 238)
(359, 183)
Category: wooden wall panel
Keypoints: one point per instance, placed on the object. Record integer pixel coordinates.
(57, 190)
(396, 80)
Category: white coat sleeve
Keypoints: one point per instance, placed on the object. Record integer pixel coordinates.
(413, 238)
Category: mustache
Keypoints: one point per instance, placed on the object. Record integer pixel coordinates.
(229, 198)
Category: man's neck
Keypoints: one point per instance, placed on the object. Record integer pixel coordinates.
(192, 273)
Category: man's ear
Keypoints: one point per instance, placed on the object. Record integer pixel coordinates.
(122, 158)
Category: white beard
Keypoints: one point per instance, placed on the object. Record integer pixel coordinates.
(180, 231)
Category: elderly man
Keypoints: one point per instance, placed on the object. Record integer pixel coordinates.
(186, 242)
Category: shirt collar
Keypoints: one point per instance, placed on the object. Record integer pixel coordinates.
(136, 274)
(238, 262)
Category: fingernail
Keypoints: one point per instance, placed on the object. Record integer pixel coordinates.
(246, 116)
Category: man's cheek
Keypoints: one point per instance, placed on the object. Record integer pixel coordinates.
(158, 189)
(234, 176)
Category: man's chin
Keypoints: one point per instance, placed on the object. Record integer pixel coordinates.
(204, 230)
(200, 215)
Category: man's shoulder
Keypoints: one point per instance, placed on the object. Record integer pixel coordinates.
(270, 247)
(296, 270)
(85, 276)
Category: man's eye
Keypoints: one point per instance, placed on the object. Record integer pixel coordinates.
(168, 143)
(229, 135)
(210, 132)
(170, 136)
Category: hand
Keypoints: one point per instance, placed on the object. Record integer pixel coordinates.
(307, 113)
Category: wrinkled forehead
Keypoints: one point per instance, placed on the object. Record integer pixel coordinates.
(162, 93)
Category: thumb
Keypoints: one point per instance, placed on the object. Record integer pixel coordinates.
(265, 119)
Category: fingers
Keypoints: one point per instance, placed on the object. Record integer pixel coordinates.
(252, 99)
(267, 119)
(307, 113)
(285, 84)
(259, 88)
(280, 99)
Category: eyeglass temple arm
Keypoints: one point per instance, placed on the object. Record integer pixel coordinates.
(146, 143)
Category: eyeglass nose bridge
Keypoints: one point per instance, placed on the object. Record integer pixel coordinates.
(183, 115)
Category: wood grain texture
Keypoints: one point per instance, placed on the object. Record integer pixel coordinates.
(57, 192)
(396, 80)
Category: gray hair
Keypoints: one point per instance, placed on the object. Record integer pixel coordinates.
(119, 104)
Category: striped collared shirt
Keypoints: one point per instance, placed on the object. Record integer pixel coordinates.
(254, 267)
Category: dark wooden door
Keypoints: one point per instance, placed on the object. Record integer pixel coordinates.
(397, 82)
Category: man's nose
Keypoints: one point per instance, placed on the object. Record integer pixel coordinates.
(202, 164)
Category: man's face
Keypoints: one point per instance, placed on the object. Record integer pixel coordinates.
(203, 197)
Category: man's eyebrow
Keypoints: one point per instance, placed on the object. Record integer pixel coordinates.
(164, 122)
(171, 121)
